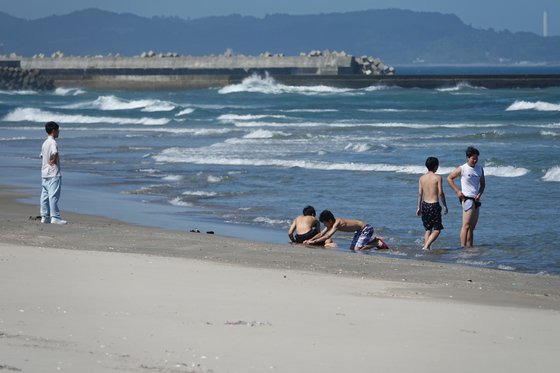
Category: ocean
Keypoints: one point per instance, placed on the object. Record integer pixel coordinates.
(245, 159)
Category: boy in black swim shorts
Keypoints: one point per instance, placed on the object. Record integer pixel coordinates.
(430, 189)
(304, 227)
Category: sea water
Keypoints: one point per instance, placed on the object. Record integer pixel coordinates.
(245, 159)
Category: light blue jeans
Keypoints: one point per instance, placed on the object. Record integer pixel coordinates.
(50, 193)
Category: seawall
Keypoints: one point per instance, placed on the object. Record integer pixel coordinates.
(184, 72)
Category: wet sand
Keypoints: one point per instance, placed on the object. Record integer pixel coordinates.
(99, 295)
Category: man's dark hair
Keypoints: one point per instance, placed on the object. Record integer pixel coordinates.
(472, 151)
(326, 215)
(432, 163)
(309, 211)
(50, 127)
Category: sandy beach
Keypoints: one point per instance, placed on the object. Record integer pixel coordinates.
(99, 295)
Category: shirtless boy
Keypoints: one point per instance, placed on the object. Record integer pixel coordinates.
(472, 187)
(305, 226)
(429, 191)
(363, 237)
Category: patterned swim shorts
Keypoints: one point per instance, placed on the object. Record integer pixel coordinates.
(431, 216)
(362, 237)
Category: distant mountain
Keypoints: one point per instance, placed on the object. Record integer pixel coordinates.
(398, 37)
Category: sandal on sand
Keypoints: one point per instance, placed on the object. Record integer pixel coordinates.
(381, 245)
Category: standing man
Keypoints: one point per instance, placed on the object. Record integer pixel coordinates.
(472, 187)
(51, 178)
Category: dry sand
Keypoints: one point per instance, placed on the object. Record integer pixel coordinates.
(99, 295)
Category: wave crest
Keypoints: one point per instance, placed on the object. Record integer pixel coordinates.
(111, 103)
(267, 85)
(538, 106)
(552, 174)
(42, 116)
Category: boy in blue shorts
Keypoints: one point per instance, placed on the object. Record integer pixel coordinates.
(363, 236)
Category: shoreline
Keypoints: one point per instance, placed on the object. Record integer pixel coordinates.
(99, 295)
(426, 279)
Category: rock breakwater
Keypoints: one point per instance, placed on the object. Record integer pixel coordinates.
(16, 78)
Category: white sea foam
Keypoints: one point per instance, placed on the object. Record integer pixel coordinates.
(15, 138)
(504, 267)
(236, 117)
(310, 110)
(264, 134)
(552, 174)
(185, 112)
(550, 134)
(268, 221)
(391, 110)
(505, 171)
(373, 88)
(179, 202)
(460, 86)
(214, 179)
(359, 124)
(149, 170)
(21, 92)
(172, 178)
(113, 103)
(268, 85)
(199, 193)
(41, 116)
(159, 106)
(68, 91)
(189, 131)
(538, 106)
(358, 148)
(179, 155)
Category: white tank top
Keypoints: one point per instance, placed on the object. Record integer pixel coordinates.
(470, 179)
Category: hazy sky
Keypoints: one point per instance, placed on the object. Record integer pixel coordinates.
(514, 15)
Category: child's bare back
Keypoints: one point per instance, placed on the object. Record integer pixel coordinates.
(430, 184)
(304, 224)
(349, 225)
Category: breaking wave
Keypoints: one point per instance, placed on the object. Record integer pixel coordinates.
(199, 193)
(179, 202)
(358, 148)
(358, 124)
(458, 87)
(185, 112)
(178, 155)
(236, 117)
(268, 221)
(42, 116)
(552, 174)
(538, 106)
(267, 85)
(550, 134)
(264, 134)
(68, 91)
(111, 103)
(21, 92)
(505, 171)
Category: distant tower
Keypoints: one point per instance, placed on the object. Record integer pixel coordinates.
(545, 24)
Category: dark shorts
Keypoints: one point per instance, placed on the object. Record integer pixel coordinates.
(306, 236)
(431, 216)
(362, 237)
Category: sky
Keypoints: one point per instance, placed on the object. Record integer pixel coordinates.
(513, 15)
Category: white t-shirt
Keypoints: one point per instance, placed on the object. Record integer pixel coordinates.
(470, 179)
(49, 148)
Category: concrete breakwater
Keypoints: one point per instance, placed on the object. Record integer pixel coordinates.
(174, 72)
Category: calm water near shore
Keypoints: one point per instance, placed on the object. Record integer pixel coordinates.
(245, 159)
